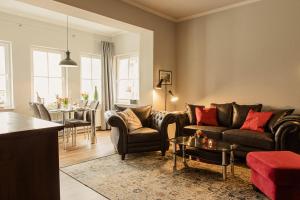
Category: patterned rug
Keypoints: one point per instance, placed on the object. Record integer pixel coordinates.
(151, 176)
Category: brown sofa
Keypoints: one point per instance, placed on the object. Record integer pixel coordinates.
(153, 136)
(282, 131)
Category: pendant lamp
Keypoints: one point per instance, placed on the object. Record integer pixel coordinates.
(68, 62)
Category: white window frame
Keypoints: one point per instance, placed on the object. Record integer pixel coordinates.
(64, 71)
(117, 58)
(8, 74)
(90, 55)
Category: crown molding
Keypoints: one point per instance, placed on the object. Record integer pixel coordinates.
(181, 19)
(217, 10)
(173, 19)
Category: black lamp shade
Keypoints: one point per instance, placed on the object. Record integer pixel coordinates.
(68, 62)
(158, 86)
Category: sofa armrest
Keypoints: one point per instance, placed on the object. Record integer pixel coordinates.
(182, 120)
(160, 122)
(287, 136)
(119, 130)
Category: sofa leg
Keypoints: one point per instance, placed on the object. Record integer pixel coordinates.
(163, 153)
(123, 156)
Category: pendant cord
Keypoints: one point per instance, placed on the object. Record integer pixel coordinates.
(67, 33)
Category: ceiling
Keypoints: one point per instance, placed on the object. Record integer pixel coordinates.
(179, 10)
(29, 11)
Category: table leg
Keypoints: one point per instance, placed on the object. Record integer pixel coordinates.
(93, 127)
(64, 131)
(224, 167)
(183, 156)
(232, 161)
(174, 156)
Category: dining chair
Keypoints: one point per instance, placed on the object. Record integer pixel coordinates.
(68, 127)
(79, 115)
(85, 121)
(34, 109)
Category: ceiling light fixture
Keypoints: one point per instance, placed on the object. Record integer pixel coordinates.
(68, 62)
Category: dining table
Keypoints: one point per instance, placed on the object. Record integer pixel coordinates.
(69, 110)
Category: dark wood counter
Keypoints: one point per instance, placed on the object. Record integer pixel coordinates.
(29, 164)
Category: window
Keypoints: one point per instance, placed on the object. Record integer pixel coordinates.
(90, 74)
(127, 78)
(6, 100)
(48, 76)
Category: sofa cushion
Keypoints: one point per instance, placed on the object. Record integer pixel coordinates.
(240, 113)
(277, 115)
(142, 112)
(256, 121)
(224, 113)
(214, 132)
(206, 116)
(132, 121)
(249, 138)
(191, 111)
(143, 135)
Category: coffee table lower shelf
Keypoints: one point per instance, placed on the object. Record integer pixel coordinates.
(222, 158)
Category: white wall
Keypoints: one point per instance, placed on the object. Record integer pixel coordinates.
(131, 43)
(25, 33)
(126, 43)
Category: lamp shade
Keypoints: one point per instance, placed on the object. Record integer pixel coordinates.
(158, 86)
(173, 97)
(67, 62)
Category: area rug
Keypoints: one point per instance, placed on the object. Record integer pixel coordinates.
(151, 176)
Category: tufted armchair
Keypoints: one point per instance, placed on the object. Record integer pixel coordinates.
(153, 136)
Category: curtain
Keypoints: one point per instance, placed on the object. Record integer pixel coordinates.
(107, 92)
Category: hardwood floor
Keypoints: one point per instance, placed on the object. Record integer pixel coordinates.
(84, 151)
(70, 188)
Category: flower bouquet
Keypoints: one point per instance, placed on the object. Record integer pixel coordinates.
(65, 102)
(85, 96)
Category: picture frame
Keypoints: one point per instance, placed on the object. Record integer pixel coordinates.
(164, 74)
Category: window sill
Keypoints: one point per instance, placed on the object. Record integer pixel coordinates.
(3, 109)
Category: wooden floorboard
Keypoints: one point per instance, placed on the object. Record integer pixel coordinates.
(84, 151)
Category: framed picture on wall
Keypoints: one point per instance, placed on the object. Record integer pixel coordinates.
(167, 76)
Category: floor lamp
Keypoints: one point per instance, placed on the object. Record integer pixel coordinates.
(173, 97)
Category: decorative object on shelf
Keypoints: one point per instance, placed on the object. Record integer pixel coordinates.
(68, 62)
(165, 78)
(199, 134)
(96, 96)
(85, 96)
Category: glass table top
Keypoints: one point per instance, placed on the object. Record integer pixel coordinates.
(203, 143)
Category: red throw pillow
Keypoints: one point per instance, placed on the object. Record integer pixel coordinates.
(256, 121)
(206, 116)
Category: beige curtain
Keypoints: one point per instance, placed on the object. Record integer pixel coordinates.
(107, 92)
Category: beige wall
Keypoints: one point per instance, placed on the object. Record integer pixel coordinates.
(248, 54)
(164, 32)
